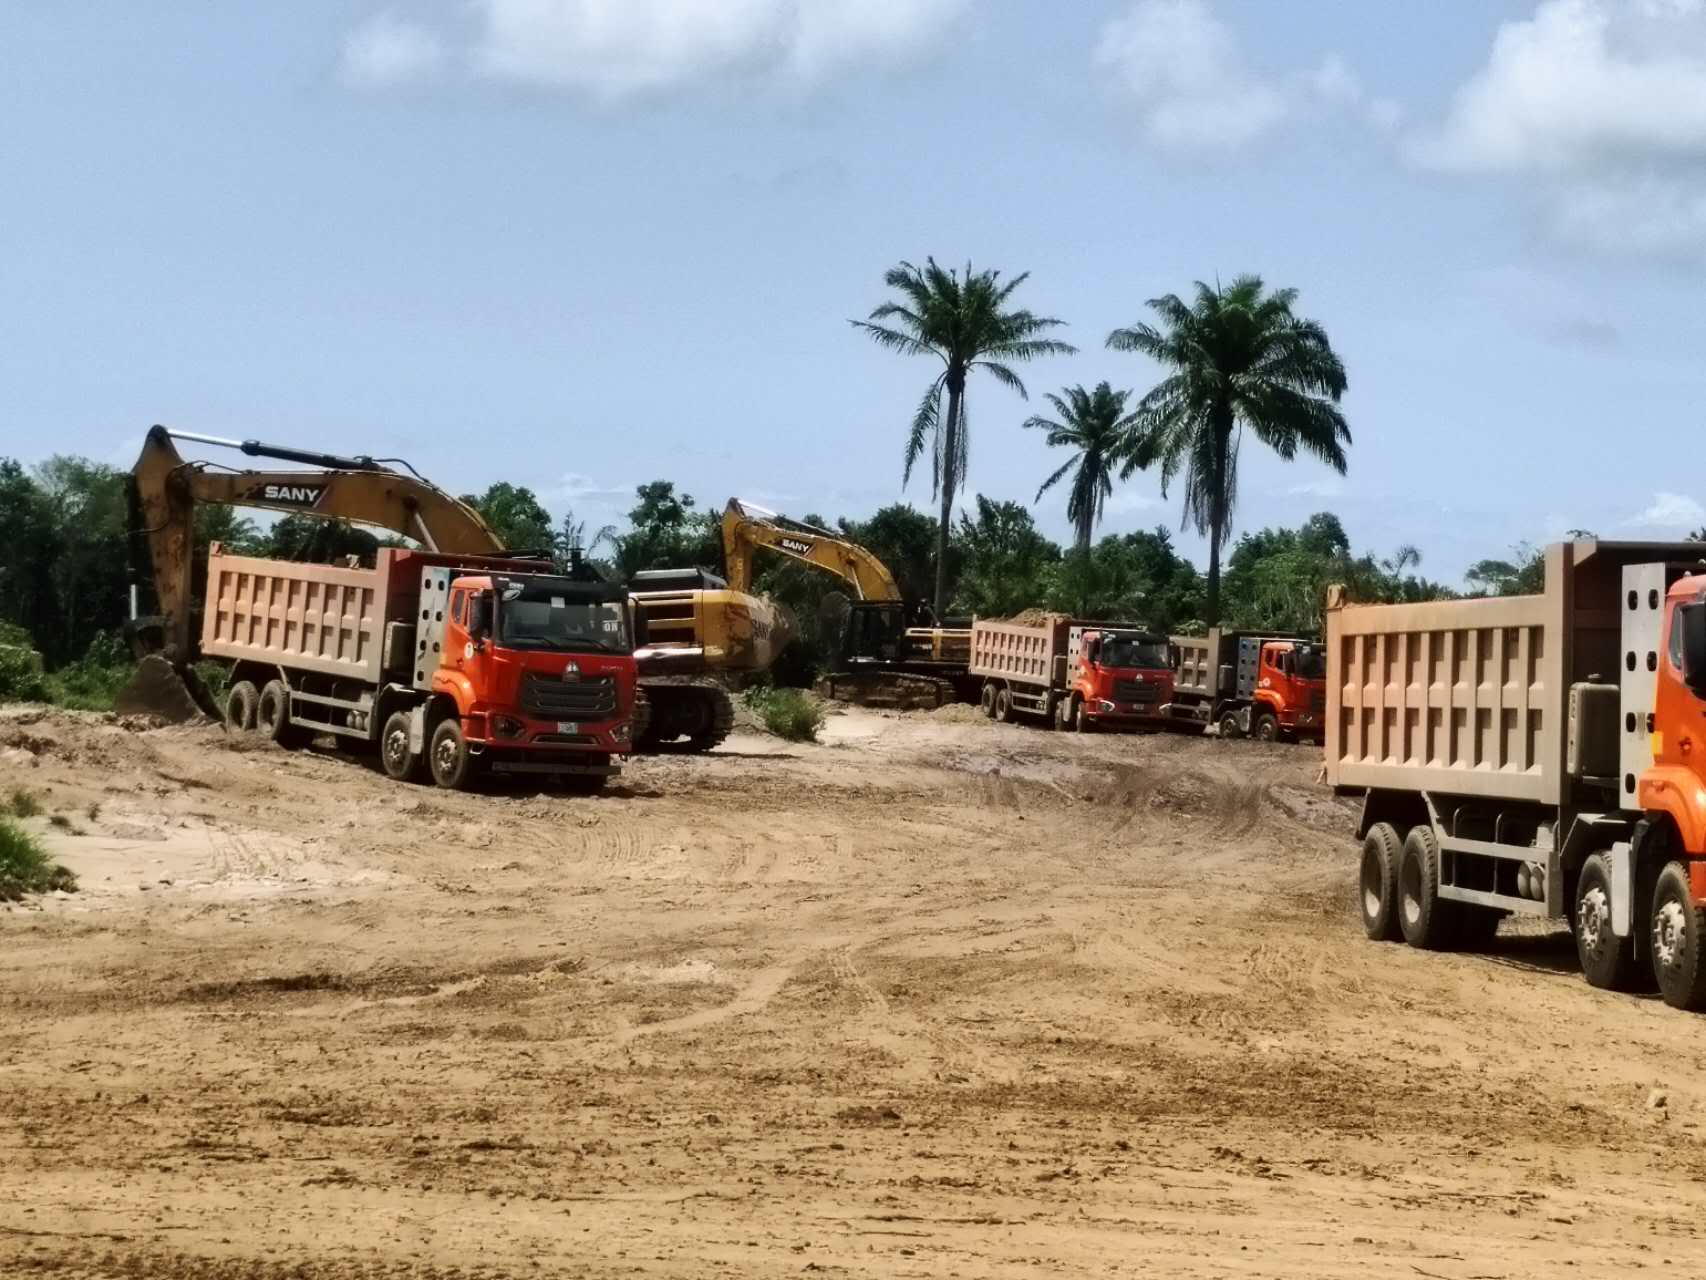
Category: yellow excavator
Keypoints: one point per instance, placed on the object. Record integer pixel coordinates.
(699, 633)
(882, 659)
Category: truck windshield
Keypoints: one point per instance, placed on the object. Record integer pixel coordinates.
(555, 616)
(1311, 663)
(1130, 651)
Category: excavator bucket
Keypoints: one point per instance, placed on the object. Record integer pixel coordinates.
(160, 689)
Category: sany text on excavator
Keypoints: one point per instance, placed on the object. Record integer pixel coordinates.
(881, 658)
(701, 633)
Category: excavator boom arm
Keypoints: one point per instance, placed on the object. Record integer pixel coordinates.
(746, 529)
(166, 490)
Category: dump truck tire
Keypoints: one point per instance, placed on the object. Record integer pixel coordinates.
(449, 758)
(1229, 726)
(1424, 918)
(1608, 962)
(394, 755)
(986, 700)
(240, 704)
(1004, 706)
(1378, 883)
(1267, 728)
(1678, 930)
(272, 716)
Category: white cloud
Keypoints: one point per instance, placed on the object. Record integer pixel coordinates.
(612, 49)
(387, 50)
(571, 485)
(1326, 487)
(1672, 511)
(1182, 67)
(1125, 502)
(1604, 103)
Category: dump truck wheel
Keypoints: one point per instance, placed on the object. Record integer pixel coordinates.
(1004, 706)
(1081, 717)
(1267, 728)
(1608, 962)
(448, 755)
(986, 700)
(394, 755)
(1379, 883)
(1424, 918)
(272, 716)
(1229, 726)
(1678, 935)
(240, 705)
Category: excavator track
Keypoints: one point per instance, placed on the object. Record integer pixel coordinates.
(680, 714)
(894, 690)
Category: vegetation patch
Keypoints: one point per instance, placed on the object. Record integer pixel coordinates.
(23, 803)
(792, 714)
(25, 866)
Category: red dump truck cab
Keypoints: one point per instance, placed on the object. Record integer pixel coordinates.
(1120, 677)
(536, 663)
(1074, 675)
(1291, 686)
(452, 666)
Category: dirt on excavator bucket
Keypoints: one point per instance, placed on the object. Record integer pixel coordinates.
(160, 689)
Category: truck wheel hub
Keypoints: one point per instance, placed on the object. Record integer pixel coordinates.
(1594, 916)
(1669, 934)
(396, 747)
(446, 757)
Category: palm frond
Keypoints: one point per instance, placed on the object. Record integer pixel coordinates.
(924, 425)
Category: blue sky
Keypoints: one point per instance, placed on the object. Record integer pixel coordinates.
(581, 244)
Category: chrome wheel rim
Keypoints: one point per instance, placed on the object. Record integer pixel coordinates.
(1593, 917)
(1670, 934)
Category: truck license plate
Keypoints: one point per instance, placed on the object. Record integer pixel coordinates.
(568, 726)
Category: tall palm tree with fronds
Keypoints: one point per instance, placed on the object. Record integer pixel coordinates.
(1097, 427)
(964, 322)
(1240, 360)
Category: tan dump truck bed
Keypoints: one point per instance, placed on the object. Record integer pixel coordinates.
(1031, 653)
(1471, 697)
(324, 618)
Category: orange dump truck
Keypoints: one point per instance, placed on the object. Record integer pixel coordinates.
(1539, 755)
(450, 665)
(1075, 675)
(1264, 687)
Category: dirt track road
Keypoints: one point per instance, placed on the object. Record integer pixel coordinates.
(934, 998)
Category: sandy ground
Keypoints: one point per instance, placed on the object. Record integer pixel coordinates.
(935, 997)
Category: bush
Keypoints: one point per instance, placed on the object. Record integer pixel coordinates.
(792, 714)
(25, 866)
(87, 685)
(21, 679)
(23, 803)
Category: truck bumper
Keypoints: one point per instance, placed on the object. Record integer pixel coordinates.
(508, 736)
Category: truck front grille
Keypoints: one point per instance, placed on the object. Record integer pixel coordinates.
(553, 698)
(1135, 691)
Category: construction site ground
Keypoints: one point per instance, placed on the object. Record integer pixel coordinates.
(933, 997)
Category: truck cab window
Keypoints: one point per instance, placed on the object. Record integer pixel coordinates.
(459, 607)
(1675, 645)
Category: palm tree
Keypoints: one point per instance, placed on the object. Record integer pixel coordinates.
(1240, 359)
(961, 321)
(1096, 424)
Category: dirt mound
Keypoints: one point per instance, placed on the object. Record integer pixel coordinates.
(959, 713)
(157, 689)
(1028, 618)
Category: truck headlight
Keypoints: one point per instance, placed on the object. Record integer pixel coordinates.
(1105, 705)
(507, 727)
(622, 732)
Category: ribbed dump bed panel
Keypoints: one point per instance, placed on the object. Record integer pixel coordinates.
(1033, 653)
(1198, 665)
(313, 617)
(1465, 697)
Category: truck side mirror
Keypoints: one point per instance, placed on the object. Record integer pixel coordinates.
(1694, 646)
